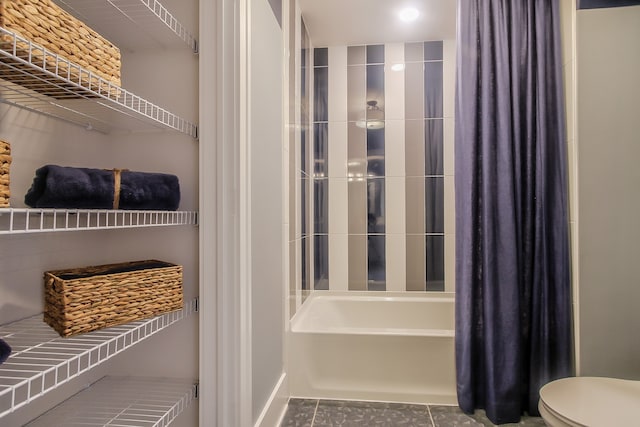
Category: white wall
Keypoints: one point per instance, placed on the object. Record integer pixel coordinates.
(608, 149)
(265, 141)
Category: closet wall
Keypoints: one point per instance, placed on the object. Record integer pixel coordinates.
(168, 77)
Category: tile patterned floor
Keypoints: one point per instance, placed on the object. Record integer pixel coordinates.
(330, 413)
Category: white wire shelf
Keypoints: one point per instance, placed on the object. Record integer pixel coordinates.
(133, 24)
(41, 360)
(36, 79)
(123, 401)
(21, 221)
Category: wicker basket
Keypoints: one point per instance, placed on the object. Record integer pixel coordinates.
(45, 24)
(5, 163)
(86, 299)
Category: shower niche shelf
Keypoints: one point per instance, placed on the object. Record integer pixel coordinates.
(41, 360)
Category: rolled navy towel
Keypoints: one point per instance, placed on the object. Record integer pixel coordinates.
(5, 351)
(82, 188)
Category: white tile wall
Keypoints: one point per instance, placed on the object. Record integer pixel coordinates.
(337, 56)
(396, 219)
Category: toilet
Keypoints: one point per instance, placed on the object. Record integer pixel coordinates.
(590, 402)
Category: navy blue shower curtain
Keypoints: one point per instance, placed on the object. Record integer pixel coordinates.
(513, 295)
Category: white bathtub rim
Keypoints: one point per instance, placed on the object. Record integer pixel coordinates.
(444, 333)
(373, 296)
(451, 400)
(382, 294)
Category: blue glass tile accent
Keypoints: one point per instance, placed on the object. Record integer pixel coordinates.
(375, 205)
(320, 57)
(304, 201)
(304, 73)
(435, 263)
(304, 258)
(375, 152)
(321, 150)
(375, 87)
(321, 206)
(321, 94)
(434, 204)
(433, 90)
(433, 147)
(321, 262)
(433, 51)
(375, 54)
(376, 263)
(304, 167)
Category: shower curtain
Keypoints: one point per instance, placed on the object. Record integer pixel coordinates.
(513, 297)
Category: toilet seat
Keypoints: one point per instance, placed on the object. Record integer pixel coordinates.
(590, 402)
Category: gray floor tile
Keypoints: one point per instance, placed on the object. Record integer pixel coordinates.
(299, 413)
(343, 413)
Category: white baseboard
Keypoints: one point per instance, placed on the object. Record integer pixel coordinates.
(274, 409)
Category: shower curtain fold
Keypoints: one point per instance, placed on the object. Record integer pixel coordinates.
(513, 297)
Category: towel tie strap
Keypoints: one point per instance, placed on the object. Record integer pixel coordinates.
(116, 187)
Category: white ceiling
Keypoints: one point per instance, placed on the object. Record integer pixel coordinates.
(356, 22)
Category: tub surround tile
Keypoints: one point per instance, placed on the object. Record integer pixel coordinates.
(356, 55)
(337, 149)
(358, 263)
(396, 255)
(321, 94)
(414, 95)
(414, 148)
(337, 84)
(415, 263)
(366, 185)
(338, 206)
(448, 148)
(413, 52)
(356, 92)
(339, 271)
(449, 77)
(394, 154)
(394, 82)
(395, 219)
(433, 51)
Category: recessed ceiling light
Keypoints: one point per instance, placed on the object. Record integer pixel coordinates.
(397, 67)
(408, 14)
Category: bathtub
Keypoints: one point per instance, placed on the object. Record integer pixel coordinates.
(377, 346)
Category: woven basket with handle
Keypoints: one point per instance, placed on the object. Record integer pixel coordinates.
(86, 299)
(42, 22)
